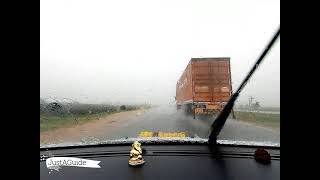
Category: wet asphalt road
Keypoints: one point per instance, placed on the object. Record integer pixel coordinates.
(168, 119)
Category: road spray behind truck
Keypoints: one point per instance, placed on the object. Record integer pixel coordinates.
(205, 86)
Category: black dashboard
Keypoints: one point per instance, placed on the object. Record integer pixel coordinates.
(165, 162)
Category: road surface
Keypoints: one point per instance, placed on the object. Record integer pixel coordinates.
(163, 118)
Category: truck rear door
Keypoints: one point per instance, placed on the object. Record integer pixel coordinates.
(211, 79)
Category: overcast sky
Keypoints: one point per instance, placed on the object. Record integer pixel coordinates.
(134, 51)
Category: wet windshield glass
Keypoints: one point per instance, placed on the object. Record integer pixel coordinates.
(113, 70)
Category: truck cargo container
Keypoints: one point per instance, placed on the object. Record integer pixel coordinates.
(205, 86)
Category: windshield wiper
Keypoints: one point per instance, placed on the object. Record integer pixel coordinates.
(223, 115)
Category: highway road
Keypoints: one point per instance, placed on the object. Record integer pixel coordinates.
(168, 119)
(164, 119)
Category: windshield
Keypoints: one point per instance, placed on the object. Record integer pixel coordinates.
(115, 70)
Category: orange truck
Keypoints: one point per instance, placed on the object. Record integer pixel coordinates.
(205, 86)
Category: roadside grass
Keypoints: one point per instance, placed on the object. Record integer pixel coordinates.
(262, 119)
(49, 121)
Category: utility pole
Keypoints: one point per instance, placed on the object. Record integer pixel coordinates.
(250, 102)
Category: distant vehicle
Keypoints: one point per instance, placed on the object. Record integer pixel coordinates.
(205, 86)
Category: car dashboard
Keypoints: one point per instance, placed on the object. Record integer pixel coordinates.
(171, 161)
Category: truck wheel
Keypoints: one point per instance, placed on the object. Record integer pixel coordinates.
(194, 114)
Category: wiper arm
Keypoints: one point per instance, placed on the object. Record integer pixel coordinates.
(223, 115)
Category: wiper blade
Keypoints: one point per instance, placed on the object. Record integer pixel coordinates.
(223, 115)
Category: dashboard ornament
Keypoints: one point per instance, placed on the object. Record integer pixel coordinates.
(136, 155)
(263, 156)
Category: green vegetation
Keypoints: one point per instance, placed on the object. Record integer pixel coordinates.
(262, 119)
(50, 121)
(276, 109)
(256, 107)
(56, 115)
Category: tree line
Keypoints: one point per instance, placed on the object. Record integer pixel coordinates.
(78, 108)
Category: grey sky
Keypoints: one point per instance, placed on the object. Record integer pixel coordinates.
(135, 51)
